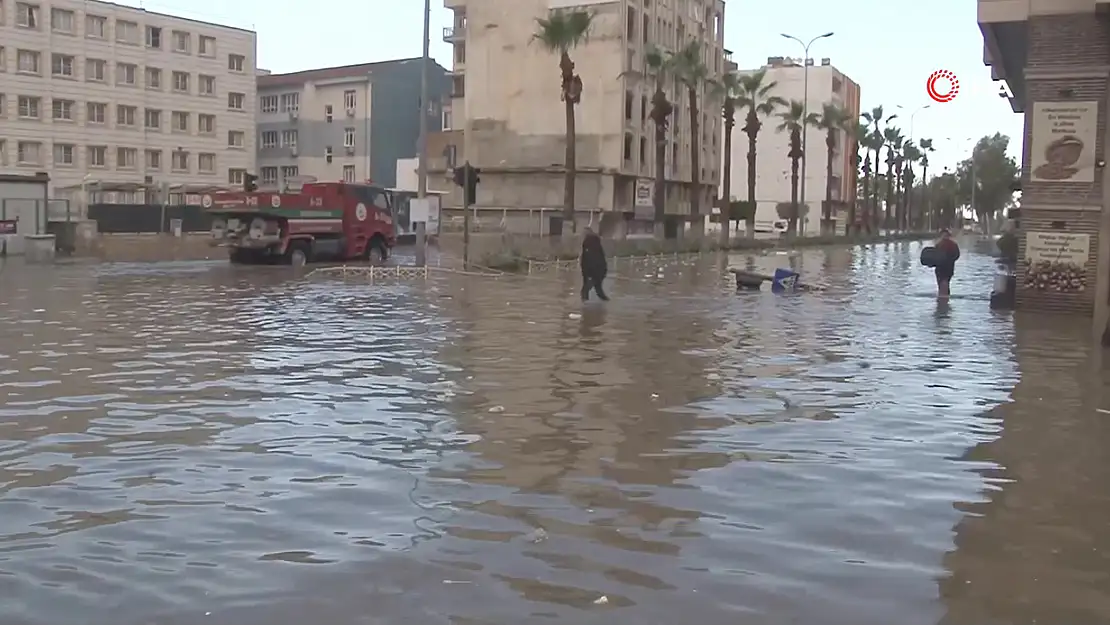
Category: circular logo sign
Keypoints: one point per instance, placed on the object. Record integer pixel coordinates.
(360, 212)
(275, 201)
(942, 86)
(206, 201)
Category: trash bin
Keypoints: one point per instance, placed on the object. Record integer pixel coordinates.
(784, 280)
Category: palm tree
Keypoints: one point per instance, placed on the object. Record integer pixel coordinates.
(893, 139)
(910, 155)
(863, 139)
(791, 122)
(727, 88)
(833, 119)
(690, 70)
(926, 149)
(755, 95)
(876, 120)
(660, 66)
(560, 32)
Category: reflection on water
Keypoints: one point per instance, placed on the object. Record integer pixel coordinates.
(188, 443)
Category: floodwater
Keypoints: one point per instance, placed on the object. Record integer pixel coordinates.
(196, 444)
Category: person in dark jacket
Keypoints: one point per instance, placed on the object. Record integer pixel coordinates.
(946, 268)
(594, 265)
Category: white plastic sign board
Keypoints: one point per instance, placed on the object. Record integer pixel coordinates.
(433, 215)
(419, 209)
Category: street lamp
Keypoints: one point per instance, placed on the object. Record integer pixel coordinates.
(805, 102)
(422, 157)
(914, 114)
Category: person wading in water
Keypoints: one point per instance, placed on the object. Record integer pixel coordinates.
(594, 265)
(944, 270)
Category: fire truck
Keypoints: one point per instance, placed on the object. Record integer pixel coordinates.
(324, 221)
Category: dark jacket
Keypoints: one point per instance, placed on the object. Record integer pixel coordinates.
(950, 249)
(592, 258)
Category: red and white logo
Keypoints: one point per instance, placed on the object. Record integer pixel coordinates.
(942, 86)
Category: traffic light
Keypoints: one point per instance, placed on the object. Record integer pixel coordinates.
(250, 182)
(468, 178)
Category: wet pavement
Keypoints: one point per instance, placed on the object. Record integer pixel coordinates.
(188, 443)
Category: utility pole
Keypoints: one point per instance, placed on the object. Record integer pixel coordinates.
(422, 157)
(466, 214)
(805, 113)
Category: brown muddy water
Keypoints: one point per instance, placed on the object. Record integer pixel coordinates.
(193, 443)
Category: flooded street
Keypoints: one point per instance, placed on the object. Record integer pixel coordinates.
(195, 443)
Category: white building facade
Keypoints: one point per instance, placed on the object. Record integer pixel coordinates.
(93, 91)
(826, 85)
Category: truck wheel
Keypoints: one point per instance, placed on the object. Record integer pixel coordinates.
(376, 251)
(299, 254)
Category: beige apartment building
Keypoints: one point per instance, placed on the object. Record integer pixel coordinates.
(505, 102)
(97, 92)
(1053, 56)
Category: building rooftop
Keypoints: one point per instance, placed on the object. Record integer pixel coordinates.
(124, 7)
(329, 73)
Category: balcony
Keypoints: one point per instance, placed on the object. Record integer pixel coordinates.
(451, 34)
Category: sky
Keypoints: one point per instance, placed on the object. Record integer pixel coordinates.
(888, 47)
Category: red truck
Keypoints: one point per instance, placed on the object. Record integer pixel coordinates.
(325, 221)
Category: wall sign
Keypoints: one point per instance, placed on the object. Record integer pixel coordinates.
(1062, 147)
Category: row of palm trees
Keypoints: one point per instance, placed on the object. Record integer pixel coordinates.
(885, 202)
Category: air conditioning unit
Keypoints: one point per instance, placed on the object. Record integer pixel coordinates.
(293, 151)
(294, 114)
(350, 150)
(350, 112)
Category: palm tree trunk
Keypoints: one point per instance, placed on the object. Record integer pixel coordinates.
(866, 221)
(659, 200)
(826, 214)
(750, 221)
(876, 204)
(695, 158)
(889, 208)
(926, 199)
(571, 166)
(726, 183)
(792, 228)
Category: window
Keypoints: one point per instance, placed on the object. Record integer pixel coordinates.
(207, 46)
(235, 101)
(269, 139)
(327, 113)
(289, 138)
(30, 107)
(235, 176)
(97, 112)
(27, 15)
(3, 106)
(127, 32)
(3, 153)
(180, 122)
(447, 120)
(181, 82)
(126, 158)
(207, 85)
(63, 154)
(206, 163)
(154, 78)
(152, 120)
(180, 160)
(269, 175)
(348, 137)
(96, 27)
(61, 65)
(206, 124)
(269, 103)
(348, 173)
(154, 37)
(29, 153)
(62, 110)
(96, 70)
(125, 115)
(627, 147)
(182, 42)
(61, 21)
(154, 160)
(349, 99)
(28, 62)
(125, 74)
(97, 155)
(290, 102)
(328, 155)
(236, 62)
(3, 59)
(236, 138)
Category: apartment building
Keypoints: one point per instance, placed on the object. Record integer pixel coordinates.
(348, 123)
(94, 91)
(506, 102)
(826, 85)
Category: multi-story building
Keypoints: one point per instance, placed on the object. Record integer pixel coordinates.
(1052, 56)
(506, 102)
(94, 91)
(826, 85)
(347, 123)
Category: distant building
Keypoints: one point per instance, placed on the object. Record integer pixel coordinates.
(344, 123)
(826, 85)
(95, 91)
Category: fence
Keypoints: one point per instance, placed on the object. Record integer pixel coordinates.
(148, 218)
